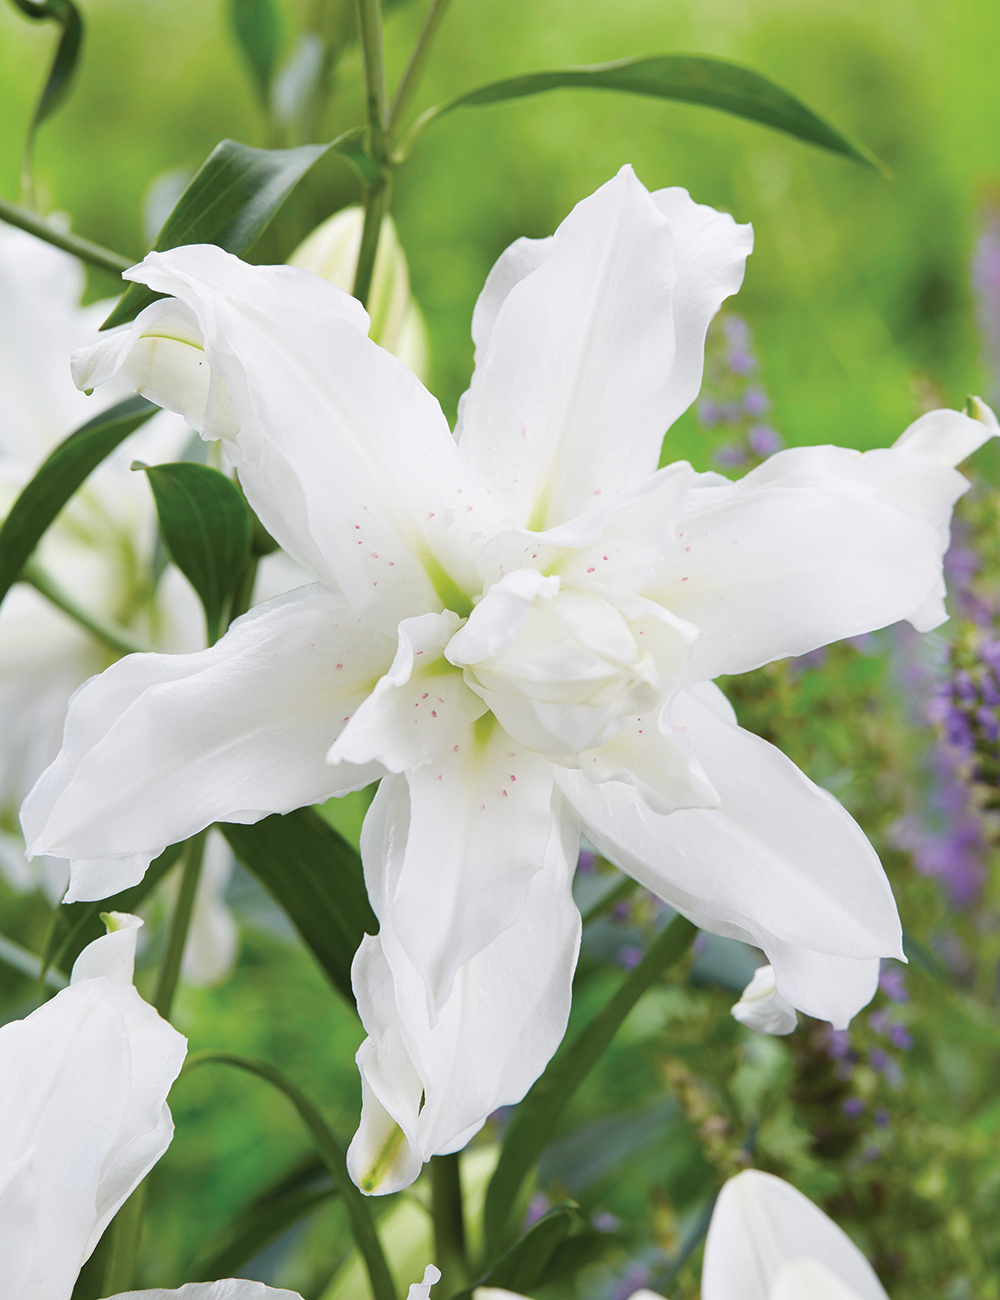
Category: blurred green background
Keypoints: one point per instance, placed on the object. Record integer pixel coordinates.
(859, 302)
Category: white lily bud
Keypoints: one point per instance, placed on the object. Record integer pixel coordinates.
(762, 1007)
(84, 1081)
(332, 252)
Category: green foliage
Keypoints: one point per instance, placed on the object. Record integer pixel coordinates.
(523, 1266)
(57, 84)
(257, 26)
(207, 531)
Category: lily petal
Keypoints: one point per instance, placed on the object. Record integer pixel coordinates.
(230, 1288)
(762, 1008)
(590, 335)
(780, 863)
(814, 545)
(160, 746)
(804, 1279)
(503, 1020)
(761, 1224)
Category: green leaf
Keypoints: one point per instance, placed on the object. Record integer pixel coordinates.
(256, 25)
(74, 925)
(316, 877)
(67, 55)
(206, 530)
(293, 1197)
(535, 1119)
(525, 1263)
(689, 78)
(58, 477)
(231, 201)
(357, 1206)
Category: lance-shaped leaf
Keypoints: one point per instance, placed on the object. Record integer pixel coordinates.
(67, 55)
(206, 530)
(74, 925)
(256, 24)
(526, 1262)
(58, 477)
(689, 78)
(317, 878)
(535, 1119)
(231, 201)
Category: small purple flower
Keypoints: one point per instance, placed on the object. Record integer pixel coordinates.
(741, 362)
(989, 689)
(729, 456)
(900, 1037)
(764, 440)
(958, 731)
(586, 862)
(892, 982)
(964, 687)
(629, 957)
(882, 1117)
(877, 1022)
(636, 1277)
(838, 1044)
(756, 402)
(708, 413)
(729, 413)
(622, 911)
(989, 652)
(853, 1106)
(988, 724)
(537, 1206)
(604, 1222)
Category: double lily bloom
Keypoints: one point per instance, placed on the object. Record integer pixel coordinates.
(516, 628)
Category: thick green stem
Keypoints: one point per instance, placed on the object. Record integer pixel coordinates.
(110, 633)
(369, 14)
(170, 970)
(376, 207)
(126, 1234)
(449, 1225)
(25, 219)
(414, 69)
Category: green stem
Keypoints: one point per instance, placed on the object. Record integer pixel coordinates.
(25, 219)
(414, 69)
(125, 1233)
(110, 633)
(362, 1224)
(376, 207)
(369, 14)
(449, 1224)
(166, 985)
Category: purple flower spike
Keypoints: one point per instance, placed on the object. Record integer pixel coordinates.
(989, 689)
(892, 982)
(965, 688)
(989, 652)
(764, 440)
(988, 724)
(756, 401)
(958, 732)
(853, 1106)
(900, 1037)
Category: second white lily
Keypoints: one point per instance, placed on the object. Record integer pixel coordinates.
(518, 631)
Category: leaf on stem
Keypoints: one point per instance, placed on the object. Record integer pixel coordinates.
(257, 27)
(317, 878)
(206, 529)
(523, 1266)
(58, 477)
(231, 201)
(67, 55)
(689, 78)
(357, 1206)
(535, 1119)
(74, 925)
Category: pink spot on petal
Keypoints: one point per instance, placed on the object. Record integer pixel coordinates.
(591, 569)
(513, 777)
(340, 665)
(424, 696)
(433, 713)
(504, 794)
(455, 750)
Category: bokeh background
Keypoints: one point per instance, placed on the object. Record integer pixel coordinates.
(867, 301)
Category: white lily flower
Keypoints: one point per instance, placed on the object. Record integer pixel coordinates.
(761, 1006)
(83, 1116)
(518, 628)
(236, 1288)
(767, 1241)
(332, 250)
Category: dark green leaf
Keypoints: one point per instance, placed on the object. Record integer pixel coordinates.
(206, 530)
(74, 925)
(231, 200)
(58, 477)
(316, 877)
(66, 14)
(357, 1206)
(690, 78)
(577, 1252)
(525, 1263)
(256, 25)
(534, 1122)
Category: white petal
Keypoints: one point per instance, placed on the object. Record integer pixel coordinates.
(450, 851)
(949, 436)
(160, 746)
(230, 1288)
(816, 544)
(83, 1114)
(778, 863)
(762, 1008)
(760, 1224)
(505, 1016)
(421, 1290)
(346, 457)
(804, 1279)
(578, 383)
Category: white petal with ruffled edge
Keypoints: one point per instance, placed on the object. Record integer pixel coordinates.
(160, 746)
(492, 1037)
(759, 1226)
(762, 1008)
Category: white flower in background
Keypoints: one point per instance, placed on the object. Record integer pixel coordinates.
(83, 1116)
(761, 1006)
(396, 323)
(517, 628)
(767, 1241)
(240, 1289)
